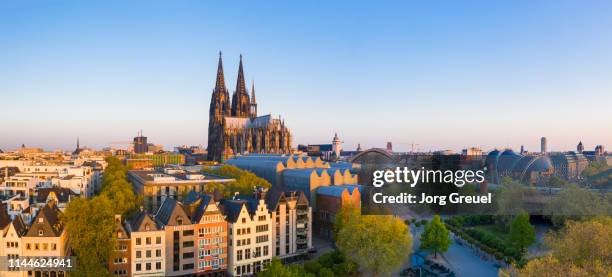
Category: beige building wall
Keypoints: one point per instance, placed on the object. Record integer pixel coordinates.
(148, 247)
(250, 241)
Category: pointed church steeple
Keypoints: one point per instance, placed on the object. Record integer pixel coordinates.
(241, 83)
(253, 93)
(220, 84)
(253, 108)
(240, 100)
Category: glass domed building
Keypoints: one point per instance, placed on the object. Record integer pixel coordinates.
(529, 169)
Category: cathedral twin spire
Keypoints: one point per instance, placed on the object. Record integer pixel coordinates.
(241, 105)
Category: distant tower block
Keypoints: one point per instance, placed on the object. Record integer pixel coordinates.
(599, 150)
(140, 144)
(580, 147)
(522, 149)
(358, 147)
(543, 147)
(336, 145)
(389, 146)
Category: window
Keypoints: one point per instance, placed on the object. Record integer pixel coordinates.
(158, 265)
(179, 220)
(247, 253)
(148, 253)
(188, 233)
(28, 246)
(148, 266)
(187, 255)
(239, 255)
(158, 240)
(138, 254)
(148, 241)
(188, 243)
(138, 267)
(53, 246)
(158, 253)
(40, 233)
(138, 241)
(265, 252)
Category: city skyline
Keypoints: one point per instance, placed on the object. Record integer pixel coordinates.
(441, 77)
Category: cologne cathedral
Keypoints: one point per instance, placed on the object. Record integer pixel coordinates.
(234, 127)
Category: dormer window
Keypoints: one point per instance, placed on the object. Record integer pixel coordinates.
(40, 233)
(147, 227)
(41, 220)
(179, 220)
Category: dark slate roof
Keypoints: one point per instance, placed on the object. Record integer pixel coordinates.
(138, 223)
(232, 208)
(250, 201)
(62, 194)
(274, 195)
(170, 211)
(5, 219)
(47, 221)
(192, 197)
(20, 226)
(206, 201)
(119, 228)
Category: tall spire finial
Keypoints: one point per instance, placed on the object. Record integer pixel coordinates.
(220, 83)
(241, 84)
(253, 92)
(78, 145)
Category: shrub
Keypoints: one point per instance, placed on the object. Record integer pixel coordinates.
(326, 272)
(312, 266)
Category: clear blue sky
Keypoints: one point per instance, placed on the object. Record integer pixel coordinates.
(443, 74)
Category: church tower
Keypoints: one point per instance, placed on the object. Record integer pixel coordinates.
(241, 105)
(219, 109)
(253, 111)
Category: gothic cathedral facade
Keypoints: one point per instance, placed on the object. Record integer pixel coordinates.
(234, 127)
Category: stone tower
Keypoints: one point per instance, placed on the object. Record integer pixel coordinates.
(219, 109)
(241, 104)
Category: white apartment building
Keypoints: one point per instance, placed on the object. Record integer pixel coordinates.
(250, 233)
(291, 217)
(148, 246)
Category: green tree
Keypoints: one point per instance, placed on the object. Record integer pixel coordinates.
(276, 269)
(576, 203)
(122, 196)
(244, 179)
(435, 237)
(579, 249)
(348, 213)
(522, 234)
(90, 227)
(378, 244)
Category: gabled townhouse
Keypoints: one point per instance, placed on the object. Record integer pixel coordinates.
(46, 237)
(250, 232)
(119, 263)
(61, 196)
(11, 243)
(180, 237)
(291, 217)
(211, 231)
(147, 246)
